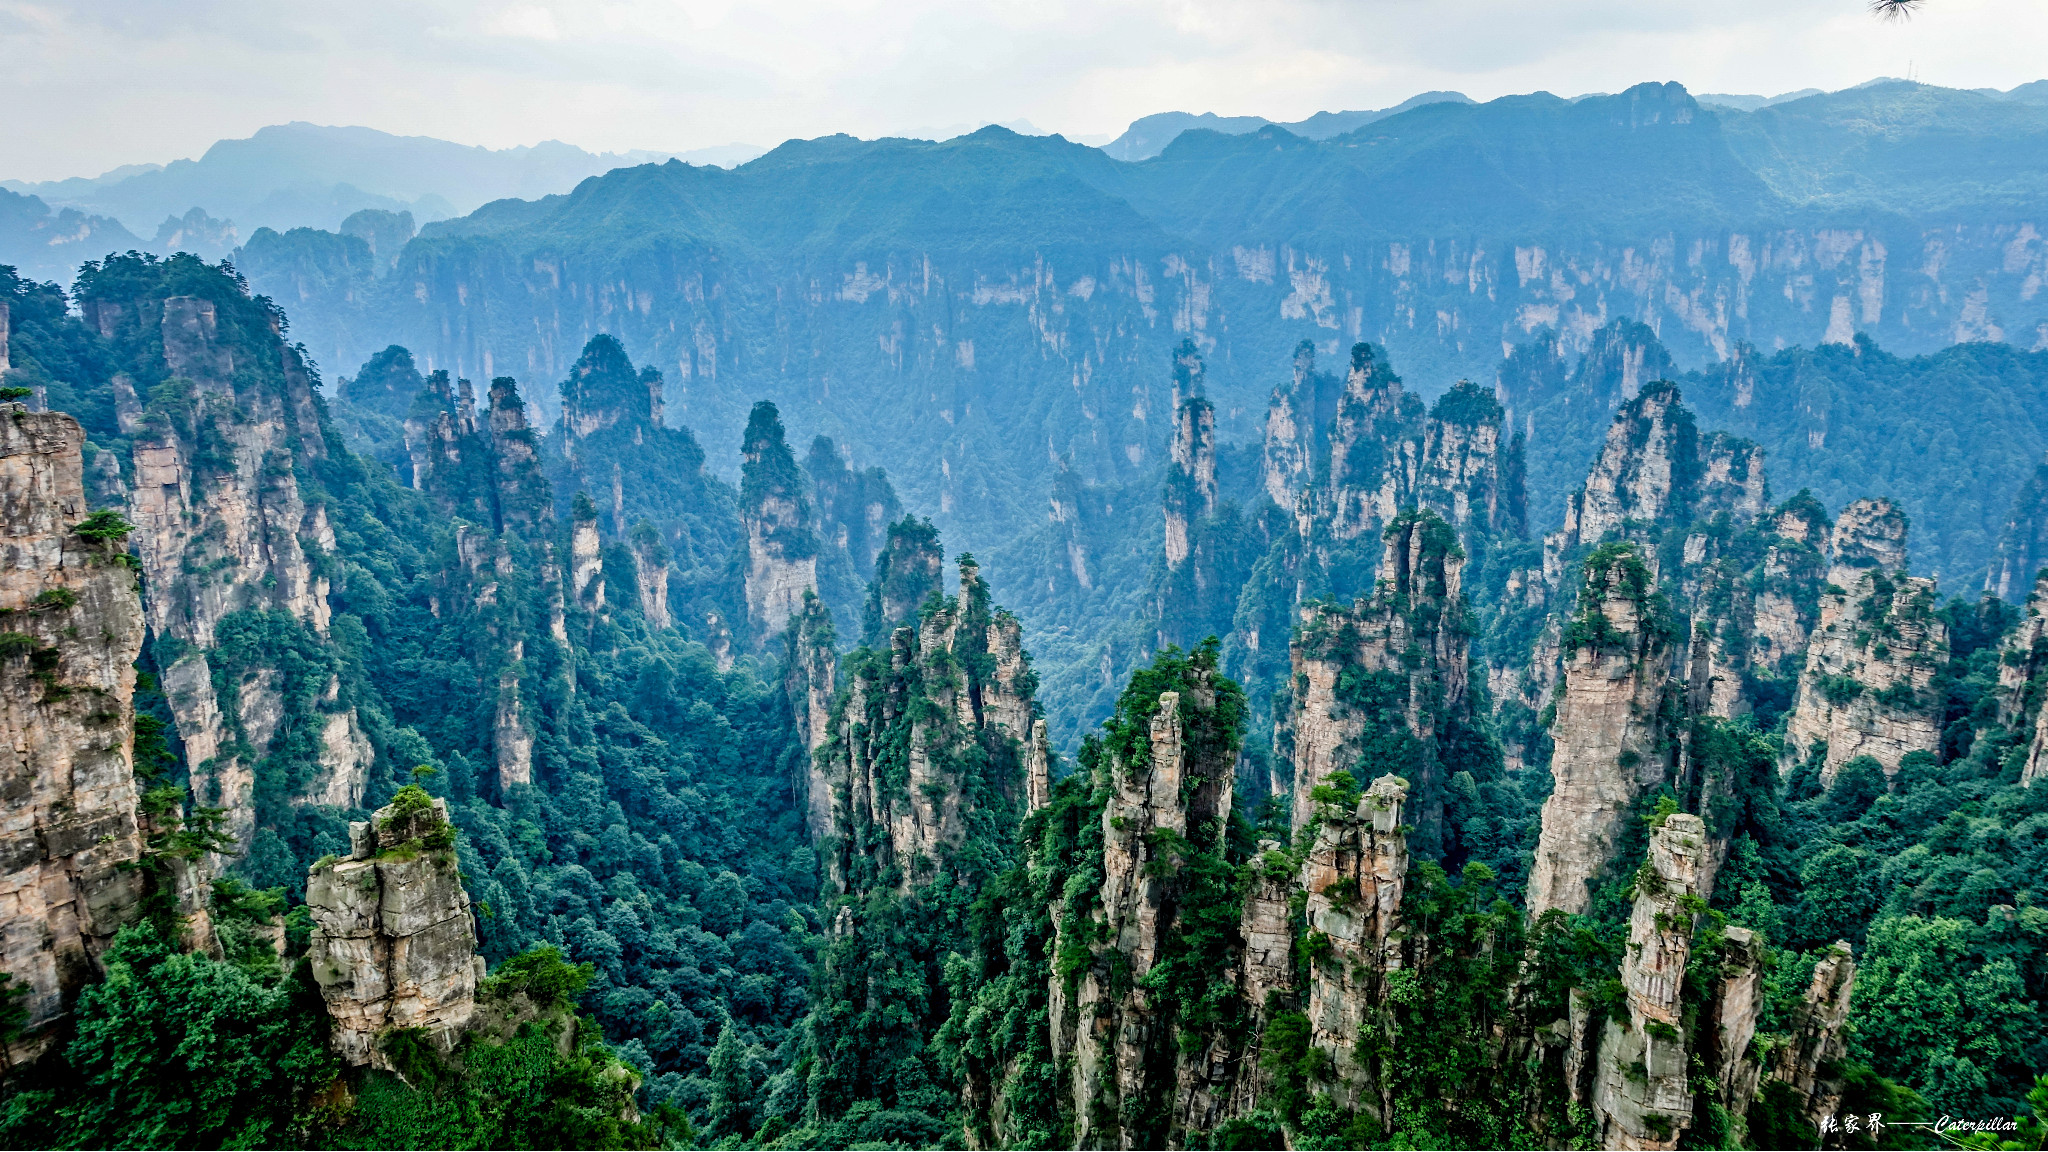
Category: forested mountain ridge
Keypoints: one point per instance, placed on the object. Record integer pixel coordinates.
(1688, 817)
(986, 316)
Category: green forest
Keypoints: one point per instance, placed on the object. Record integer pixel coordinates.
(771, 834)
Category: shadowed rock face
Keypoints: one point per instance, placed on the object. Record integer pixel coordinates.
(71, 627)
(393, 942)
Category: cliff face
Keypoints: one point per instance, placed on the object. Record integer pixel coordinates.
(782, 550)
(1646, 474)
(893, 779)
(1353, 878)
(855, 507)
(1126, 1067)
(2023, 546)
(808, 669)
(1870, 666)
(71, 626)
(1642, 1089)
(1375, 448)
(394, 945)
(483, 467)
(222, 529)
(906, 571)
(1375, 685)
(1468, 476)
(1610, 731)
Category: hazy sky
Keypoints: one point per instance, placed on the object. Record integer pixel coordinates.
(89, 84)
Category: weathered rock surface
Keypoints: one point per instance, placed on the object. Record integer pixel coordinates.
(1467, 475)
(1819, 1035)
(1642, 1091)
(1608, 730)
(782, 547)
(955, 680)
(1353, 878)
(1870, 666)
(1408, 646)
(1122, 1050)
(394, 945)
(808, 670)
(221, 527)
(71, 626)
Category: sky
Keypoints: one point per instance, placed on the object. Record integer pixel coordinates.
(93, 84)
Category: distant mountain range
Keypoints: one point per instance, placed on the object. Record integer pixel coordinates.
(287, 176)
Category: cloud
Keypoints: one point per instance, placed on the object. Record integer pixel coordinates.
(96, 83)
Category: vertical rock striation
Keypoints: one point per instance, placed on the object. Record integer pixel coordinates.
(1867, 689)
(1127, 1067)
(1376, 684)
(893, 775)
(782, 550)
(1609, 730)
(393, 945)
(71, 626)
(222, 528)
(1642, 1091)
(1353, 879)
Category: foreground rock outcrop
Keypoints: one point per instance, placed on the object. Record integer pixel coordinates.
(394, 944)
(71, 626)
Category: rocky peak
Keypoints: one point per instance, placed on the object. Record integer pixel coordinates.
(1646, 473)
(1169, 793)
(855, 507)
(393, 944)
(1607, 729)
(1467, 476)
(782, 550)
(1870, 534)
(603, 390)
(71, 626)
(1811, 1063)
(1868, 685)
(1191, 477)
(1731, 478)
(1385, 673)
(1353, 878)
(1292, 421)
(222, 527)
(1375, 446)
(889, 788)
(1643, 1087)
(907, 571)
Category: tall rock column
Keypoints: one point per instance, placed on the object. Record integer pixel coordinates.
(1408, 647)
(808, 669)
(1353, 877)
(1820, 1035)
(394, 945)
(221, 527)
(1608, 731)
(71, 626)
(1127, 1070)
(782, 548)
(1643, 1092)
(1867, 689)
